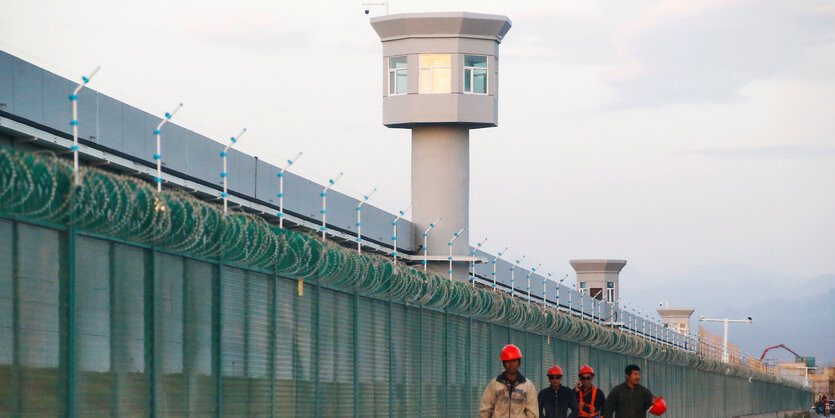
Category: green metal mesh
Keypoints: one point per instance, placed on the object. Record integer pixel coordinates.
(125, 301)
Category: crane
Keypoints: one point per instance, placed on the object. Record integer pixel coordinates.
(778, 346)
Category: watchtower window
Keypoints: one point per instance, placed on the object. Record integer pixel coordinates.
(397, 75)
(475, 74)
(435, 73)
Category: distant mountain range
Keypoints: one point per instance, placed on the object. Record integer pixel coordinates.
(795, 311)
(804, 324)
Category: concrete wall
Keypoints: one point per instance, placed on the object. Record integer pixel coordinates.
(36, 97)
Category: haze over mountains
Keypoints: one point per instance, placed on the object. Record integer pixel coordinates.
(798, 312)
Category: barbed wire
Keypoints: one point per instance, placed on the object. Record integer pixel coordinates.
(38, 186)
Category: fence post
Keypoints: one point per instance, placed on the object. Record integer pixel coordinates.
(71, 366)
(247, 313)
(15, 387)
(469, 378)
(150, 328)
(218, 335)
(316, 353)
(356, 355)
(446, 361)
(420, 363)
(391, 356)
(115, 365)
(273, 337)
(542, 343)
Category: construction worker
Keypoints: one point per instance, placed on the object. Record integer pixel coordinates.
(590, 399)
(510, 394)
(555, 400)
(629, 399)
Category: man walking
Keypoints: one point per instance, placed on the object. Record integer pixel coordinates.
(629, 399)
(590, 398)
(510, 394)
(555, 400)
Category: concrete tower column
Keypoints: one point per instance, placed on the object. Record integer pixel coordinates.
(440, 79)
(441, 187)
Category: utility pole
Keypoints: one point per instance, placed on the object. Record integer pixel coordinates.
(726, 321)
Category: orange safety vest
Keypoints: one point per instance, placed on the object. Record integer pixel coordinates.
(591, 407)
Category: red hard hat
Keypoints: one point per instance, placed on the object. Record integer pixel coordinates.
(586, 370)
(511, 352)
(555, 371)
(659, 407)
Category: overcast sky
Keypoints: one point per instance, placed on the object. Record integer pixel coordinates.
(672, 134)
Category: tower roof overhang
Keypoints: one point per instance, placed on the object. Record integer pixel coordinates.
(441, 25)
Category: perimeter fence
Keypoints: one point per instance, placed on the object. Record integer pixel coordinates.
(118, 300)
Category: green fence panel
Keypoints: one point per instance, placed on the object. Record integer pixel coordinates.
(234, 365)
(128, 276)
(399, 367)
(305, 351)
(40, 348)
(199, 340)
(336, 351)
(499, 337)
(409, 357)
(10, 396)
(533, 355)
(480, 361)
(95, 382)
(285, 353)
(259, 342)
(434, 362)
(373, 357)
(572, 352)
(455, 374)
(548, 360)
(170, 390)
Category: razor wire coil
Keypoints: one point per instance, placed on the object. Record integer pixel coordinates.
(39, 186)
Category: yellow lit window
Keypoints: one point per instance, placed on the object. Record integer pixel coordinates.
(435, 74)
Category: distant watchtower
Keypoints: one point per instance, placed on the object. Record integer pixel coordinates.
(599, 278)
(677, 319)
(440, 79)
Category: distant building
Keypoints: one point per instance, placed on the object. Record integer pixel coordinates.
(823, 382)
(797, 367)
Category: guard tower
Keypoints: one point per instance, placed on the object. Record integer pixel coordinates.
(599, 278)
(677, 319)
(440, 79)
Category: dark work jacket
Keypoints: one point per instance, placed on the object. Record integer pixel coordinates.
(624, 402)
(599, 401)
(555, 403)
